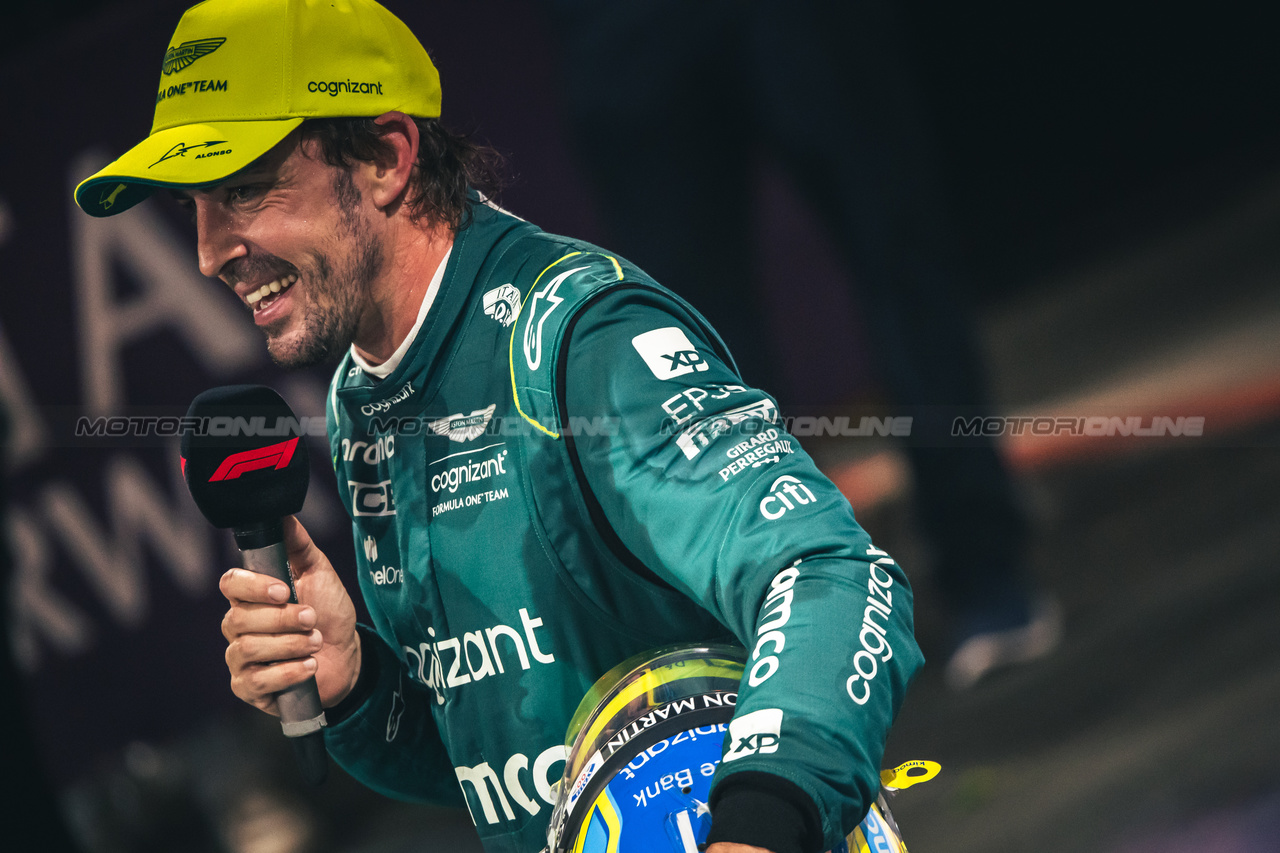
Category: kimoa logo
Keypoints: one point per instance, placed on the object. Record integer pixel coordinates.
(462, 427)
(178, 58)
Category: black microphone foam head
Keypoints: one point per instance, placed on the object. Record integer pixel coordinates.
(245, 461)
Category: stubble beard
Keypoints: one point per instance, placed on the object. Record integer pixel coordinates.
(335, 294)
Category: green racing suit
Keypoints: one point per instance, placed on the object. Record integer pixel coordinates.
(563, 471)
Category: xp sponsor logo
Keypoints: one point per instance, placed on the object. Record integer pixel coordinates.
(371, 499)
(461, 427)
(702, 433)
(541, 305)
(756, 733)
(178, 58)
(469, 470)
(785, 494)
(181, 149)
(873, 636)
(502, 304)
(370, 409)
(669, 353)
(777, 607)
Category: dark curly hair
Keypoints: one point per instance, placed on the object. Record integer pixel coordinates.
(448, 166)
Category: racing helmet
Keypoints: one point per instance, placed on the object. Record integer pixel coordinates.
(644, 744)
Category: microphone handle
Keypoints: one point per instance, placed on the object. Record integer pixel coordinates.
(301, 715)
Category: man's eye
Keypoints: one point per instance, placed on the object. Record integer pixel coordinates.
(245, 192)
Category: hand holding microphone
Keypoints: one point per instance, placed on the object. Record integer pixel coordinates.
(285, 657)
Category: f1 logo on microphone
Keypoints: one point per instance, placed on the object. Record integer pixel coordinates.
(273, 456)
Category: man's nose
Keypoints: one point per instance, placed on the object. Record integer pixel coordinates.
(216, 239)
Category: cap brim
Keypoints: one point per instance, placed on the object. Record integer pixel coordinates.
(191, 155)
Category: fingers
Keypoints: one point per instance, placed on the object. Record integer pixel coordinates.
(303, 553)
(259, 684)
(255, 649)
(252, 618)
(241, 585)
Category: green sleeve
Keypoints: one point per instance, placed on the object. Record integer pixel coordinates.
(386, 737)
(705, 487)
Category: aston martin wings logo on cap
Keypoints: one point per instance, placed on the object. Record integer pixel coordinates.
(463, 427)
(178, 58)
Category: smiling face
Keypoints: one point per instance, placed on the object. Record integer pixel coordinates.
(295, 239)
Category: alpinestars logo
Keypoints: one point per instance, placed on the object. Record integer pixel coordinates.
(273, 456)
(669, 352)
(178, 58)
(370, 549)
(464, 427)
(754, 733)
(538, 316)
(502, 304)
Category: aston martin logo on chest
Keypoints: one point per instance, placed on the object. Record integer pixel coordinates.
(462, 427)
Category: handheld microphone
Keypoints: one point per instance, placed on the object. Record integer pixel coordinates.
(245, 478)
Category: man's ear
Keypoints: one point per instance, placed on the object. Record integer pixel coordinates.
(389, 177)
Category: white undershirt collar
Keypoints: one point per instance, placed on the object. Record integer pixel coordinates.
(382, 371)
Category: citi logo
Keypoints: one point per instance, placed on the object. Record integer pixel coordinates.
(785, 494)
(386, 575)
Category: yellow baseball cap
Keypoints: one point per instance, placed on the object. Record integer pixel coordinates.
(239, 75)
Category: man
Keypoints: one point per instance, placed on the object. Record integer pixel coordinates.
(549, 460)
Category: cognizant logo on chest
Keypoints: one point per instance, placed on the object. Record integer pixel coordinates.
(447, 663)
